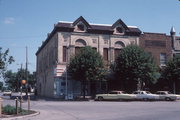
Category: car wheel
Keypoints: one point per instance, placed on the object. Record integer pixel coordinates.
(100, 98)
(167, 99)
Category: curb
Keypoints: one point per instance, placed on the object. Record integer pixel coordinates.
(20, 117)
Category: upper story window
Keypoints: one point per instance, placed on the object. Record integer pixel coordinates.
(163, 59)
(119, 30)
(81, 27)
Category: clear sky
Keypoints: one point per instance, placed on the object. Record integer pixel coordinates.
(27, 22)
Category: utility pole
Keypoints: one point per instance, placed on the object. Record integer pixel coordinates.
(27, 85)
(66, 94)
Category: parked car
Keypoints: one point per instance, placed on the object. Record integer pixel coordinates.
(178, 96)
(115, 95)
(7, 93)
(166, 95)
(145, 95)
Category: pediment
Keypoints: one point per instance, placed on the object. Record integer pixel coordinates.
(119, 27)
(81, 21)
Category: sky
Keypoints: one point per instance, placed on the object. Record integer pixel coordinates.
(27, 22)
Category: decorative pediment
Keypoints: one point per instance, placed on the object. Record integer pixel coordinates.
(119, 23)
(81, 24)
(119, 27)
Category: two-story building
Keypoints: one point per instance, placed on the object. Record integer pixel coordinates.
(65, 41)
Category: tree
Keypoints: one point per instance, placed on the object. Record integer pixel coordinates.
(13, 79)
(134, 67)
(171, 74)
(1, 85)
(86, 66)
(4, 60)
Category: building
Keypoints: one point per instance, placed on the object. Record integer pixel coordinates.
(158, 45)
(65, 40)
(162, 47)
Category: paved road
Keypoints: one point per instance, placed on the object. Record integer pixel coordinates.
(94, 110)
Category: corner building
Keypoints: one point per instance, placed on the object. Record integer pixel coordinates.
(65, 40)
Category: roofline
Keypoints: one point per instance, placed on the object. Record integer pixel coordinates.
(153, 33)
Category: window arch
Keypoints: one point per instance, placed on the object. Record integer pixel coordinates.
(80, 43)
(119, 44)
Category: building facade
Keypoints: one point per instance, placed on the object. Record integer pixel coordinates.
(158, 45)
(65, 40)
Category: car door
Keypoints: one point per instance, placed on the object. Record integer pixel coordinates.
(161, 96)
(112, 95)
(138, 95)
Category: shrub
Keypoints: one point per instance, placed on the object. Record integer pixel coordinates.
(9, 110)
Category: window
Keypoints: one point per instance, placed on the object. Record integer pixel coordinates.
(119, 30)
(163, 59)
(116, 53)
(105, 54)
(64, 53)
(80, 27)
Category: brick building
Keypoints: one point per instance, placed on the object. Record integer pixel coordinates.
(65, 40)
(158, 45)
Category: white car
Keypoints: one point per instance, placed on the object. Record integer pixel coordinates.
(166, 95)
(178, 96)
(115, 95)
(145, 95)
(7, 93)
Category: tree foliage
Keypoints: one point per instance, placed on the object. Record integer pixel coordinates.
(5, 59)
(1, 85)
(134, 65)
(85, 66)
(171, 73)
(13, 79)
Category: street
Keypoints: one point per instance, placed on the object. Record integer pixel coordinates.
(95, 110)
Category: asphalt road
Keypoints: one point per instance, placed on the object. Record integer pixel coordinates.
(94, 110)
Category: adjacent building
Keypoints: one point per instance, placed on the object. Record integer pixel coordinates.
(65, 40)
(158, 45)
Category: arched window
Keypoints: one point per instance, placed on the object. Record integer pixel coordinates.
(119, 44)
(79, 44)
(118, 47)
(80, 27)
(119, 30)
